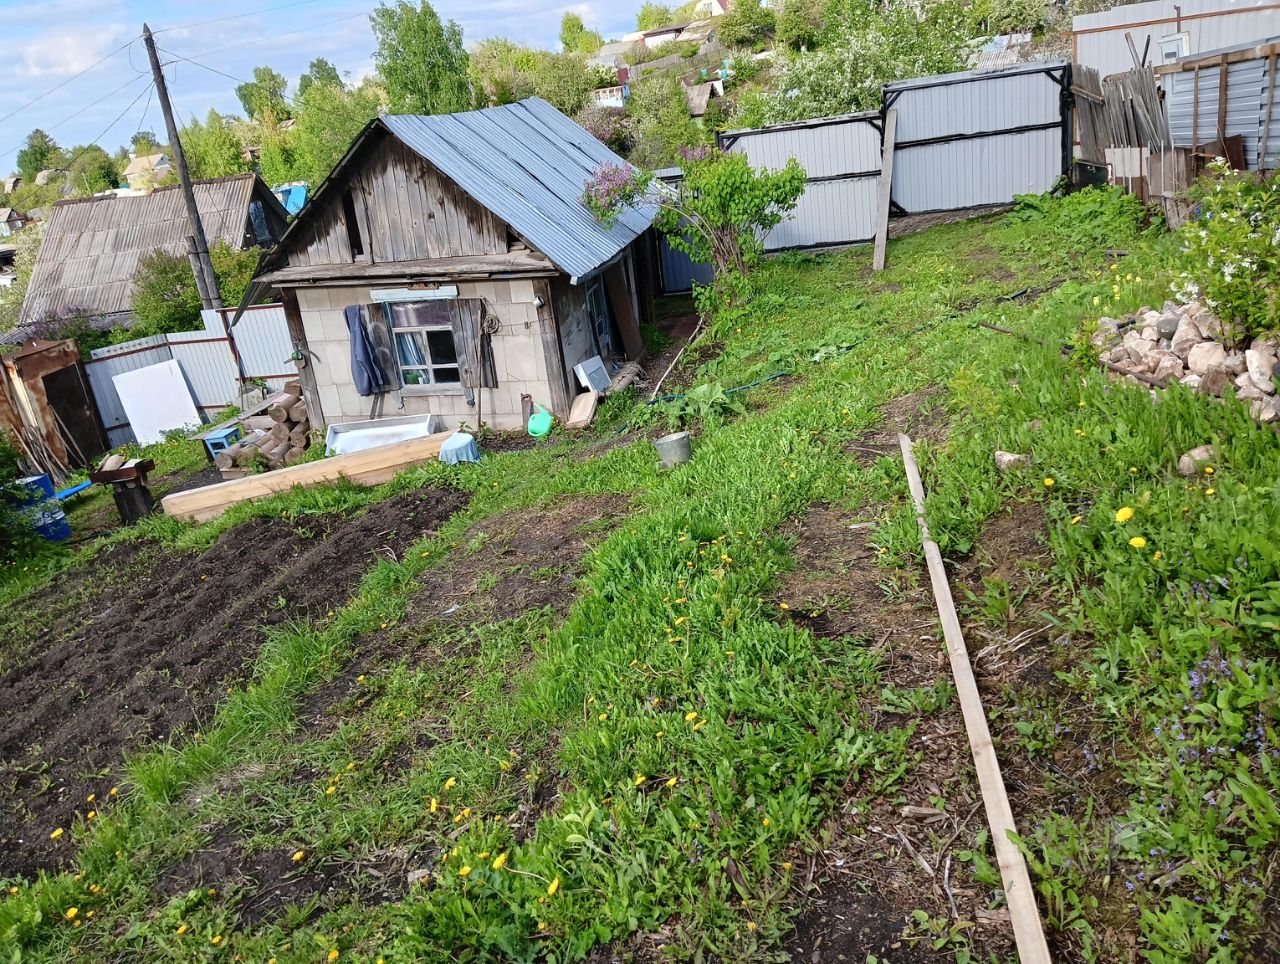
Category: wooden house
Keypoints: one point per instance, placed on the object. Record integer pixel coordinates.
(454, 252)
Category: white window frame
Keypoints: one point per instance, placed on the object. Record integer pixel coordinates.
(433, 386)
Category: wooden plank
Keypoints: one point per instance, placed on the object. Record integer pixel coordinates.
(306, 373)
(886, 189)
(370, 467)
(524, 263)
(624, 311)
(1263, 153)
(1223, 75)
(552, 351)
(401, 243)
(1028, 931)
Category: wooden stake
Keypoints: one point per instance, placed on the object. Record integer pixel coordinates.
(1023, 913)
(886, 188)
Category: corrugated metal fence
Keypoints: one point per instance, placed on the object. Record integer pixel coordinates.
(1234, 94)
(206, 359)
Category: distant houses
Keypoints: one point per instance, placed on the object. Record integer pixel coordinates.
(146, 172)
(11, 221)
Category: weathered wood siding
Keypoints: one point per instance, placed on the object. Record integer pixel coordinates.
(406, 210)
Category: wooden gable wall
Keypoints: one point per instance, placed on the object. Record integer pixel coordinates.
(410, 212)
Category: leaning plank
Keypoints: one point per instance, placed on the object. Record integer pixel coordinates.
(1028, 931)
(364, 468)
(886, 188)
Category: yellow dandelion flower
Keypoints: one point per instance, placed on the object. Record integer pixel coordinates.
(330, 790)
(553, 887)
(786, 866)
(216, 940)
(1048, 483)
(1079, 433)
(673, 781)
(641, 779)
(680, 620)
(1124, 514)
(602, 717)
(751, 925)
(114, 791)
(1208, 470)
(464, 870)
(729, 653)
(500, 861)
(450, 783)
(90, 798)
(1075, 520)
(72, 912)
(634, 663)
(334, 954)
(764, 822)
(435, 805)
(91, 814)
(1096, 301)
(783, 605)
(699, 725)
(504, 766)
(360, 678)
(1138, 542)
(660, 734)
(56, 834)
(691, 716)
(182, 929)
(212, 891)
(1209, 491)
(299, 856)
(1157, 555)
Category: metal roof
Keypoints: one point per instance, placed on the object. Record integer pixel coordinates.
(92, 247)
(528, 164)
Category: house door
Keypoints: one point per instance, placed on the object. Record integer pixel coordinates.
(601, 326)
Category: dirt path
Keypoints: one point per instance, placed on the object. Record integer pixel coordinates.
(145, 643)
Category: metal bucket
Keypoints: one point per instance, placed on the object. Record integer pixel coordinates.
(42, 510)
(674, 449)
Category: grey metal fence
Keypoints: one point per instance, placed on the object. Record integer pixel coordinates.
(206, 360)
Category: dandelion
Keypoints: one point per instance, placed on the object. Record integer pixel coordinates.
(1208, 470)
(464, 870)
(1133, 470)
(688, 718)
(504, 766)
(1124, 514)
(90, 798)
(113, 792)
(1209, 491)
(641, 779)
(330, 790)
(1096, 301)
(91, 814)
(553, 887)
(72, 913)
(1048, 483)
(683, 619)
(751, 925)
(500, 861)
(672, 782)
(334, 954)
(450, 783)
(435, 805)
(1079, 433)
(602, 717)
(764, 822)
(299, 856)
(729, 653)
(1138, 542)
(182, 929)
(1075, 520)
(786, 866)
(56, 834)
(1157, 555)
(783, 606)
(216, 940)
(360, 678)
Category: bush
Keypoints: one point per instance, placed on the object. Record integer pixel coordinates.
(82, 327)
(1230, 256)
(608, 125)
(165, 298)
(747, 24)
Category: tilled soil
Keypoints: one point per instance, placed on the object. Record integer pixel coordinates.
(145, 643)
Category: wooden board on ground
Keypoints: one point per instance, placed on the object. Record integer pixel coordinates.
(583, 411)
(369, 467)
(886, 189)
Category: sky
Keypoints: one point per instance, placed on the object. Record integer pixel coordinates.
(46, 43)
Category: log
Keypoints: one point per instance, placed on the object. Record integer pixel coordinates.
(293, 387)
(298, 437)
(279, 432)
(370, 467)
(259, 422)
(111, 463)
(279, 412)
(226, 458)
(298, 411)
(294, 455)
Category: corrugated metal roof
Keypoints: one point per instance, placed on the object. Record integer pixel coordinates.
(92, 247)
(528, 164)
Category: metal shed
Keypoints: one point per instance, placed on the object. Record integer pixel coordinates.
(841, 158)
(1219, 94)
(980, 137)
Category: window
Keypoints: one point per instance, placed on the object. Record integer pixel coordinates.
(423, 336)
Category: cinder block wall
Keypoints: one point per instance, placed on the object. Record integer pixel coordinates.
(517, 350)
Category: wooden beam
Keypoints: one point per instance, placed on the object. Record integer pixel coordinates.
(552, 350)
(886, 188)
(306, 363)
(1028, 931)
(524, 263)
(369, 467)
(624, 309)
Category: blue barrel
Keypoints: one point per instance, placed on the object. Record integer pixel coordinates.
(42, 510)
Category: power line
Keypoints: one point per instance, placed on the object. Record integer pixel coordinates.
(59, 87)
(238, 16)
(73, 116)
(277, 36)
(93, 143)
(221, 73)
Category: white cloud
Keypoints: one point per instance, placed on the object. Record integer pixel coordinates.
(61, 53)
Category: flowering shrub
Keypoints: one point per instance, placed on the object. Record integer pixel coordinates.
(719, 213)
(1231, 253)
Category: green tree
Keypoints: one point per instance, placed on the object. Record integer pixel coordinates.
(660, 122)
(212, 148)
(565, 81)
(27, 241)
(92, 171)
(322, 72)
(502, 71)
(799, 23)
(575, 38)
(40, 153)
(654, 15)
(165, 298)
(327, 121)
(145, 143)
(266, 91)
(747, 24)
(421, 60)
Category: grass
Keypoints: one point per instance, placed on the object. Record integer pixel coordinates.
(646, 768)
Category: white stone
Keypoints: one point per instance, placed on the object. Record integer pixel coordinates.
(1248, 392)
(1261, 368)
(1168, 367)
(1187, 336)
(1150, 332)
(1191, 461)
(1265, 411)
(1191, 381)
(1234, 363)
(1210, 325)
(1270, 346)
(1138, 347)
(1011, 460)
(1206, 357)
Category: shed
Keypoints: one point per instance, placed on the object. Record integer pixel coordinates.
(45, 401)
(455, 252)
(1222, 94)
(10, 221)
(92, 247)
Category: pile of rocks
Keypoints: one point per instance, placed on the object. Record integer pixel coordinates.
(1187, 344)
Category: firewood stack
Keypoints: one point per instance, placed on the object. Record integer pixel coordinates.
(272, 441)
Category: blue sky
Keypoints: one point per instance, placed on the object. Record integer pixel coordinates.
(46, 42)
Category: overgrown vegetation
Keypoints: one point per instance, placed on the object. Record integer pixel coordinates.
(649, 769)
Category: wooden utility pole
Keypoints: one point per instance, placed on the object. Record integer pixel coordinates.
(198, 247)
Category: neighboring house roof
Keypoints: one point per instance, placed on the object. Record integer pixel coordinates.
(44, 177)
(92, 247)
(146, 164)
(613, 54)
(10, 184)
(699, 95)
(527, 163)
(9, 214)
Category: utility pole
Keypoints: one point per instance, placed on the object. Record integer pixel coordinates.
(197, 245)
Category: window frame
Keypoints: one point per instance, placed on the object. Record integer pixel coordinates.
(433, 386)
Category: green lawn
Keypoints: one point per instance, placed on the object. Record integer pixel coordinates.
(647, 763)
